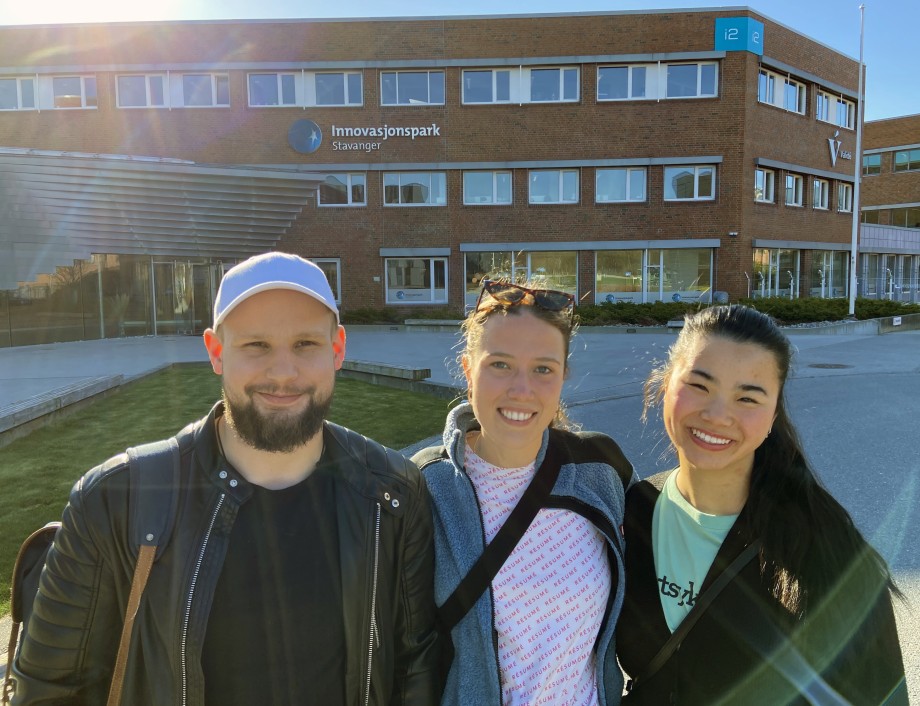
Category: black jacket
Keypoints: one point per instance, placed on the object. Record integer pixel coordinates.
(737, 650)
(387, 561)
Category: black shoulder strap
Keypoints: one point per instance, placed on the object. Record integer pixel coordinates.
(155, 470)
(702, 603)
(499, 549)
(429, 455)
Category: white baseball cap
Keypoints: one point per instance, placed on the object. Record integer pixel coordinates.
(274, 270)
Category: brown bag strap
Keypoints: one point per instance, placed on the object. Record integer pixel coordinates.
(141, 574)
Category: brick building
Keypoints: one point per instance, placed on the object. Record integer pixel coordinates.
(622, 156)
(890, 208)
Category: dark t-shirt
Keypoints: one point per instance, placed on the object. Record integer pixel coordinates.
(275, 633)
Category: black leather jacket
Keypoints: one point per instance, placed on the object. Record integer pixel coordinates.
(384, 525)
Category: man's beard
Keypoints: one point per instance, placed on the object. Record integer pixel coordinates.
(280, 433)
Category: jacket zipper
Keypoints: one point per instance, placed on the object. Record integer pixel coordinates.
(373, 631)
(191, 593)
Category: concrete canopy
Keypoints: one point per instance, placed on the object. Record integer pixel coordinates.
(56, 207)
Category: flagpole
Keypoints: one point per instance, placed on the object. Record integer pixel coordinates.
(858, 170)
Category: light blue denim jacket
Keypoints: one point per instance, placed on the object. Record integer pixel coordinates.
(591, 483)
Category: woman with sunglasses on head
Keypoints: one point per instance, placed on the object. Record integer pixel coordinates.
(748, 583)
(527, 517)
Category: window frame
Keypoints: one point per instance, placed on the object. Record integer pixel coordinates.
(496, 173)
(335, 286)
(84, 105)
(699, 79)
(494, 76)
(824, 101)
(279, 85)
(696, 182)
(820, 194)
(771, 80)
(214, 78)
(629, 171)
(432, 261)
(147, 92)
(844, 194)
(345, 89)
(18, 81)
(769, 185)
(349, 190)
(798, 188)
(404, 72)
(561, 183)
(912, 163)
(630, 82)
(876, 166)
(400, 186)
(562, 69)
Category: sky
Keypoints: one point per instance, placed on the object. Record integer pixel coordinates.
(892, 86)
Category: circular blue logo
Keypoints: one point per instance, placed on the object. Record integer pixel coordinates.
(400, 294)
(305, 136)
(610, 299)
(676, 296)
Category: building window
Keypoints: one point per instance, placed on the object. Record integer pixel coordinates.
(764, 189)
(844, 197)
(272, 90)
(870, 216)
(545, 269)
(17, 94)
(908, 217)
(872, 164)
(657, 81)
(412, 88)
(205, 90)
(415, 188)
(791, 98)
(793, 190)
(616, 185)
(416, 280)
(339, 88)
(691, 80)
(74, 91)
(486, 188)
(776, 273)
(343, 190)
(552, 85)
(332, 268)
(829, 271)
(836, 110)
(487, 86)
(615, 83)
(553, 186)
(906, 160)
(689, 183)
(820, 194)
(141, 91)
(653, 275)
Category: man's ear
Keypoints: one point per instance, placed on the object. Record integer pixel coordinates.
(215, 349)
(338, 347)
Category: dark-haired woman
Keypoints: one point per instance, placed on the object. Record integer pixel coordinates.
(781, 599)
(541, 629)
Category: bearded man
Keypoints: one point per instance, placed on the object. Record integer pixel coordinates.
(300, 566)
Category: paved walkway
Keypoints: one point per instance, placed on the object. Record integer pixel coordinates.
(856, 399)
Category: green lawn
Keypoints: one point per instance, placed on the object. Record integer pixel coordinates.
(37, 471)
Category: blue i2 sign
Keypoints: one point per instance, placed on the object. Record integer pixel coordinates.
(739, 34)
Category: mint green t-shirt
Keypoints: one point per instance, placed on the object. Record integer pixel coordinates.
(685, 542)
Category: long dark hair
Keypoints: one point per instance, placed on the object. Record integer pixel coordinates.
(812, 552)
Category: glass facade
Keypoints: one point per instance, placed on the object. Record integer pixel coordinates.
(653, 275)
(547, 270)
(109, 296)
